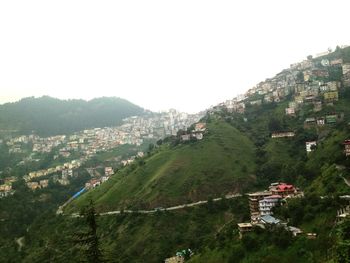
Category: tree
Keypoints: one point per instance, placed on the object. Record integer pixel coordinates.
(88, 240)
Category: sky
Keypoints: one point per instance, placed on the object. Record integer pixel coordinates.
(186, 55)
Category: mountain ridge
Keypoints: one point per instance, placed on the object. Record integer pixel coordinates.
(50, 116)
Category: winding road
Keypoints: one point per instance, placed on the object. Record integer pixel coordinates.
(116, 212)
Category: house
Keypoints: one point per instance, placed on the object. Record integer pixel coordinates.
(200, 126)
(294, 230)
(311, 235)
(310, 146)
(282, 134)
(290, 111)
(109, 171)
(268, 219)
(347, 147)
(346, 68)
(320, 121)
(331, 119)
(185, 137)
(331, 96)
(92, 183)
(254, 199)
(266, 204)
(244, 228)
(44, 183)
(321, 73)
(333, 85)
(309, 122)
(282, 189)
(309, 99)
(256, 102)
(343, 213)
(336, 62)
(33, 185)
(317, 106)
(176, 259)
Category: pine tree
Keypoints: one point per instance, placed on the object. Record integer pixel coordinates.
(88, 240)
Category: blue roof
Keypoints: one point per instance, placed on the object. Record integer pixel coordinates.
(269, 219)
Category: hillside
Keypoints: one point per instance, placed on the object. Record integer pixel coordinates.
(250, 142)
(49, 116)
(221, 163)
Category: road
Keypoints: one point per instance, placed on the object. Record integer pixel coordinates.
(116, 212)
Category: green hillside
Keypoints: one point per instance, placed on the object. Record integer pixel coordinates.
(221, 163)
(49, 116)
(242, 151)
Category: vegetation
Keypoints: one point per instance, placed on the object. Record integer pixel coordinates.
(49, 116)
(222, 163)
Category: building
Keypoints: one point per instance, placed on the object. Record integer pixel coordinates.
(331, 96)
(290, 111)
(317, 106)
(268, 219)
(343, 213)
(244, 228)
(282, 134)
(200, 126)
(44, 183)
(347, 147)
(109, 171)
(33, 185)
(254, 199)
(321, 121)
(331, 119)
(336, 62)
(176, 259)
(309, 122)
(185, 137)
(310, 146)
(282, 189)
(266, 204)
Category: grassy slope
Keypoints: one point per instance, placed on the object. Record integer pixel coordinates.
(134, 237)
(222, 162)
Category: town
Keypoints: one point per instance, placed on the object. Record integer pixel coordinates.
(86, 144)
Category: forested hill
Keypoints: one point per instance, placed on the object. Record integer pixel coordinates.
(50, 116)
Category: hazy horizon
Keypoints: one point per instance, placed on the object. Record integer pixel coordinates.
(186, 55)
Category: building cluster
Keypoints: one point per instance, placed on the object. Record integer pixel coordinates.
(61, 177)
(134, 130)
(312, 81)
(98, 180)
(159, 125)
(197, 133)
(6, 188)
(261, 206)
(74, 164)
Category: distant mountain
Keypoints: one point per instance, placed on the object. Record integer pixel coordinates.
(50, 116)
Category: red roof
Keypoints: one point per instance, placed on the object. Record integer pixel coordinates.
(347, 142)
(284, 187)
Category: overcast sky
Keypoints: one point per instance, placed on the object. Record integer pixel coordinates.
(162, 54)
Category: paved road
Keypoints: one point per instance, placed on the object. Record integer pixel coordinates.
(116, 212)
(346, 181)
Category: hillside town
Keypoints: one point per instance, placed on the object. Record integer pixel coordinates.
(261, 206)
(314, 81)
(85, 144)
